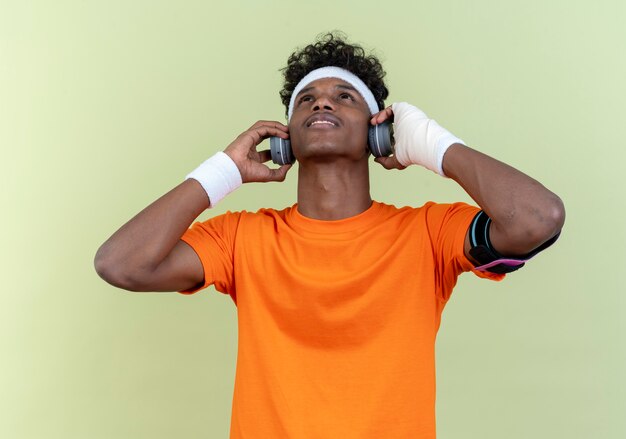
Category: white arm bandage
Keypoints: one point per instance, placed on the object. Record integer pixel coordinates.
(218, 175)
(420, 140)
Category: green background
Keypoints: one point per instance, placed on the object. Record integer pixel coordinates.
(105, 106)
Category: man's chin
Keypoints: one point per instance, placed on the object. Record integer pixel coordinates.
(323, 153)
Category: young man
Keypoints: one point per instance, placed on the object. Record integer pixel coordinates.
(339, 297)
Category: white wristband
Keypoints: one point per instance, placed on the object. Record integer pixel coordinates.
(420, 140)
(218, 175)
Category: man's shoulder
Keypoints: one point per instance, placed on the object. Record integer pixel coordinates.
(262, 215)
(261, 212)
(426, 207)
(267, 212)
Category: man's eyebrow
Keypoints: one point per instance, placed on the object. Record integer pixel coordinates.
(305, 89)
(346, 87)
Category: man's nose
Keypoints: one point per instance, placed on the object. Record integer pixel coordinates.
(323, 103)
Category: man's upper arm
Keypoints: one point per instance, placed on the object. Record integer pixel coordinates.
(466, 248)
(180, 270)
(480, 234)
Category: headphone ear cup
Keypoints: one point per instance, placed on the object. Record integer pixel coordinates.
(380, 139)
(280, 149)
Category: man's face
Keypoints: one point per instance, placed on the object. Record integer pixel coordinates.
(330, 119)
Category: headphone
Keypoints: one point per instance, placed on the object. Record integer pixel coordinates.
(380, 142)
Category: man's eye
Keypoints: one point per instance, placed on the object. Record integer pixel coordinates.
(306, 98)
(346, 96)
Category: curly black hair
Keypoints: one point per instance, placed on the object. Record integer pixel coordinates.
(331, 49)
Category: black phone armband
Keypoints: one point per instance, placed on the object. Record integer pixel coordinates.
(488, 258)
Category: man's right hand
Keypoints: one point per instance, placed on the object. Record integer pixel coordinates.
(249, 161)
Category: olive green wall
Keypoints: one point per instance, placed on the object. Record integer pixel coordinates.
(105, 106)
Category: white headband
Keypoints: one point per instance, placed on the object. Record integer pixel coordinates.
(335, 72)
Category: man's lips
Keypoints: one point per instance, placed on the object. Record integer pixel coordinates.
(322, 120)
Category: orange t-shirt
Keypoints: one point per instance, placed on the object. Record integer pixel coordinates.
(337, 319)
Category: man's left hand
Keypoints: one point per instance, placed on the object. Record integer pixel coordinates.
(390, 162)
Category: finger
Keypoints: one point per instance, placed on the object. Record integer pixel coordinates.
(382, 116)
(383, 162)
(389, 162)
(265, 156)
(271, 130)
(270, 123)
(260, 133)
(279, 174)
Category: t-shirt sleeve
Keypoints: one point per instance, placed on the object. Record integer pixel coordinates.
(448, 225)
(214, 242)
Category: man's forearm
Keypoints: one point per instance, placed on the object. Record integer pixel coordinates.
(142, 243)
(524, 213)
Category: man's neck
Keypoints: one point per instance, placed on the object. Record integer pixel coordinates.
(333, 191)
